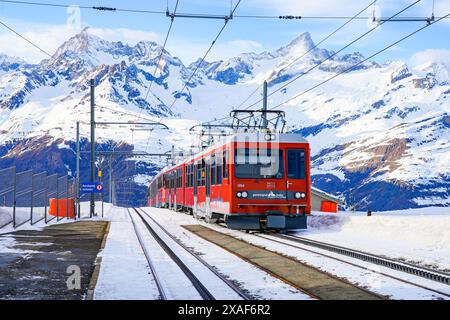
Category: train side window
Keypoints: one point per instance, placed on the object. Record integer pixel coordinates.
(188, 176)
(219, 168)
(213, 169)
(199, 173)
(203, 175)
(224, 164)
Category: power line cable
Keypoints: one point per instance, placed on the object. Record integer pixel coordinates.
(99, 8)
(200, 15)
(331, 34)
(204, 57)
(361, 62)
(162, 51)
(26, 39)
(336, 53)
(314, 47)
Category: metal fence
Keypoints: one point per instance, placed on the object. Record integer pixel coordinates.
(25, 197)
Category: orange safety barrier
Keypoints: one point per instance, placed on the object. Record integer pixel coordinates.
(62, 207)
(329, 206)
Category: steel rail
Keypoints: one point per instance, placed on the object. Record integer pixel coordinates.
(161, 291)
(229, 283)
(422, 272)
(201, 289)
(355, 265)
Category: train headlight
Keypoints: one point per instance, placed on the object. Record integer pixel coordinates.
(300, 195)
(244, 194)
(270, 137)
(239, 194)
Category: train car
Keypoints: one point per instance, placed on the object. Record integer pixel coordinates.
(252, 181)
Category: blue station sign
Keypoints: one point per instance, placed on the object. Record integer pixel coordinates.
(91, 187)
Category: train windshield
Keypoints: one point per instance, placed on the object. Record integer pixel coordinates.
(296, 166)
(253, 163)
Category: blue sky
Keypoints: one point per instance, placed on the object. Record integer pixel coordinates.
(189, 39)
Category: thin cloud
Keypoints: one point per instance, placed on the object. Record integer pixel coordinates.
(245, 45)
(429, 56)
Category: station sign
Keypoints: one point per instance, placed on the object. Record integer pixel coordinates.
(91, 187)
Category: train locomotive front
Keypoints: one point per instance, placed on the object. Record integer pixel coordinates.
(271, 182)
(252, 181)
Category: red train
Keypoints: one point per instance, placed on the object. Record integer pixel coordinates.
(251, 181)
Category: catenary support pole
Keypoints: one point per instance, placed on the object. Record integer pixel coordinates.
(110, 179)
(92, 206)
(77, 182)
(264, 114)
(14, 196)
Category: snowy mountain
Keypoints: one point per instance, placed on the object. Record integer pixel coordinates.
(379, 133)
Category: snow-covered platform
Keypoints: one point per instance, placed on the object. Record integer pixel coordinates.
(55, 262)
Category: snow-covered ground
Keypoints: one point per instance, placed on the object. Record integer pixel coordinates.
(420, 235)
(125, 275)
(372, 279)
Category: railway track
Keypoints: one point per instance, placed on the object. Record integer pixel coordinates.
(364, 256)
(196, 282)
(162, 293)
(375, 259)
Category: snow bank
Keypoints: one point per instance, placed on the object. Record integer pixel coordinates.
(5, 216)
(419, 235)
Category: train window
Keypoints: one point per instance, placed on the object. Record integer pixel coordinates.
(188, 175)
(219, 167)
(199, 173)
(258, 163)
(296, 166)
(203, 173)
(224, 164)
(213, 170)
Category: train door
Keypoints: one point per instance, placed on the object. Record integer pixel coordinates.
(208, 187)
(195, 167)
(175, 186)
(296, 179)
(169, 176)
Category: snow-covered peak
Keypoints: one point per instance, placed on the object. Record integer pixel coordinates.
(10, 64)
(5, 59)
(300, 45)
(435, 69)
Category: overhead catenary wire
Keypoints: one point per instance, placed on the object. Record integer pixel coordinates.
(161, 12)
(26, 39)
(362, 61)
(204, 56)
(161, 53)
(352, 18)
(336, 53)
